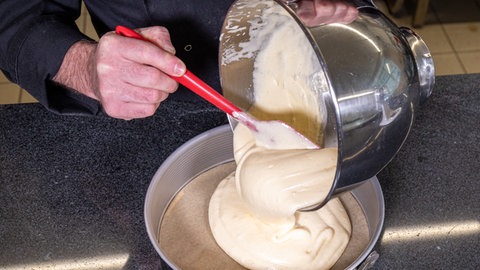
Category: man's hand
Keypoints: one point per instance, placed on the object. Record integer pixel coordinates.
(128, 76)
(316, 12)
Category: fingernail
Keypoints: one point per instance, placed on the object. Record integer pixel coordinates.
(179, 69)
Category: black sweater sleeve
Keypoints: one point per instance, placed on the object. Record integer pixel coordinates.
(34, 37)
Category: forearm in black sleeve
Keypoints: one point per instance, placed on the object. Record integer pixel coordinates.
(34, 37)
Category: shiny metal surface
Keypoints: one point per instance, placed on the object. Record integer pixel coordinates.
(375, 75)
(214, 147)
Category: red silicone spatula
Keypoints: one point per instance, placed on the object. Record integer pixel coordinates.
(269, 134)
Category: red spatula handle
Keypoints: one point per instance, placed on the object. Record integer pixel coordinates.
(189, 80)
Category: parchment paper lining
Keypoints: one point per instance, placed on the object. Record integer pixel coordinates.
(186, 240)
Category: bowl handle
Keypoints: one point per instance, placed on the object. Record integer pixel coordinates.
(423, 61)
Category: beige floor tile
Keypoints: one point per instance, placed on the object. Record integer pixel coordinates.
(433, 34)
(89, 29)
(9, 93)
(25, 97)
(471, 61)
(446, 64)
(3, 79)
(81, 22)
(435, 38)
(464, 36)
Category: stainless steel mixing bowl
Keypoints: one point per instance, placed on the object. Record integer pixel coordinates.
(375, 76)
(187, 240)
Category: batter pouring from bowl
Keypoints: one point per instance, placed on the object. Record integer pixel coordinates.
(253, 212)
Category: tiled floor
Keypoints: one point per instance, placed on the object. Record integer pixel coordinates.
(451, 31)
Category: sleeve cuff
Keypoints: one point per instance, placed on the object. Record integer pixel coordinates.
(37, 59)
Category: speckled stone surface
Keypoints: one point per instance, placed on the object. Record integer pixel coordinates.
(72, 188)
(432, 187)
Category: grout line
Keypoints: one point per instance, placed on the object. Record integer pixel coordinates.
(464, 69)
(19, 99)
(20, 95)
(85, 17)
(442, 26)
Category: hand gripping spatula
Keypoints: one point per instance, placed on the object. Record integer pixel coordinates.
(269, 134)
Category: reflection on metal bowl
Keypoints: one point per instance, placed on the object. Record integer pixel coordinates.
(373, 77)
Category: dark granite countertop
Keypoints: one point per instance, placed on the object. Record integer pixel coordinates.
(72, 188)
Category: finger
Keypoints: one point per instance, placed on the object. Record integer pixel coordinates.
(306, 10)
(128, 111)
(132, 94)
(148, 77)
(316, 12)
(344, 13)
(352, 15)
(336, 13)
(148, 53)
(319, 12)
(158, 35)
(143, 95)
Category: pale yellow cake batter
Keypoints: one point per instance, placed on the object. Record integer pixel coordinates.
(253, 212)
